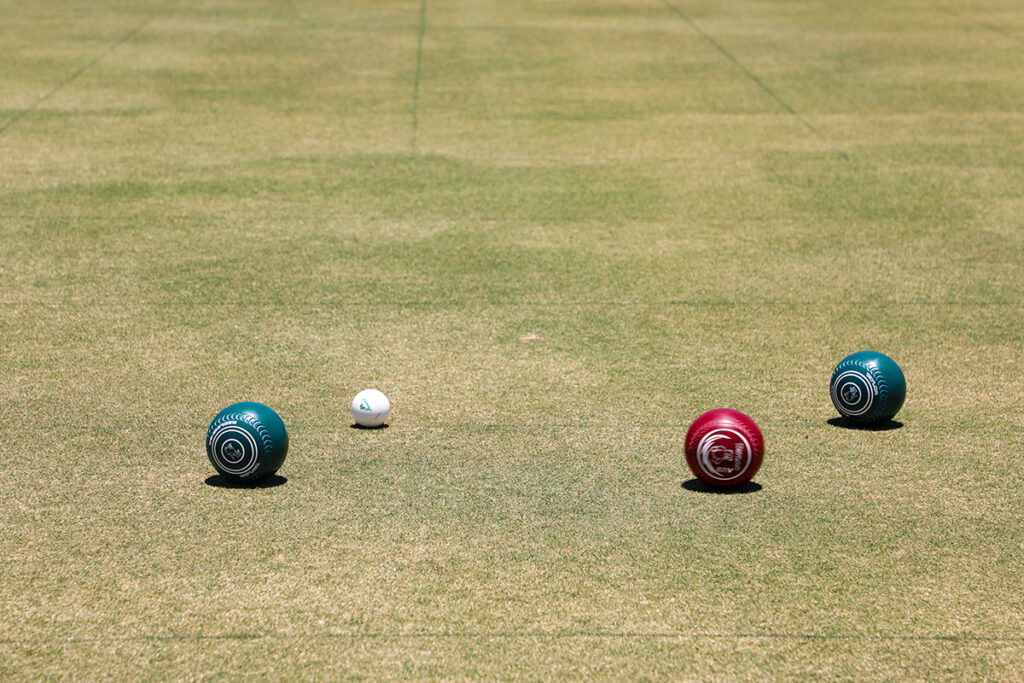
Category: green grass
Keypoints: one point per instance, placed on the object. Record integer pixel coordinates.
(604, 223)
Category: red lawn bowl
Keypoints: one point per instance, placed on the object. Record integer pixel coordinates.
(724, 448)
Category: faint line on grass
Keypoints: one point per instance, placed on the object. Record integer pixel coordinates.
(980, 24)
(416, 78)
(511, 427)
(593, 303)
(742, 67)
(512, 635)
(113, 46)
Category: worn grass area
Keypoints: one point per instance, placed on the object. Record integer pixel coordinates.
(608, 218)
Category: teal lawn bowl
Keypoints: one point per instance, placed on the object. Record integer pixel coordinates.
(868, 388)
(247, 442)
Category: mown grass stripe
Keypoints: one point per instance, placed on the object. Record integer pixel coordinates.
(512, 635)
(466, 303)
(818, 420)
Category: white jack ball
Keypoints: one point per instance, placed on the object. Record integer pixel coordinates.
(370, 408)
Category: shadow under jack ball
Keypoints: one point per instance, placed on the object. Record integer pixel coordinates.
(247, 442)
(868, 387)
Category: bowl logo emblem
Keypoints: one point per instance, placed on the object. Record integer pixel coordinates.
(234, 449)
(724, 453)
(854, 392)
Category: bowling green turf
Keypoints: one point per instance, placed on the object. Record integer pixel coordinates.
(553, 232)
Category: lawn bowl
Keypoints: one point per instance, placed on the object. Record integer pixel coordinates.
(247, 442)
(868, 388)
(724, 448)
